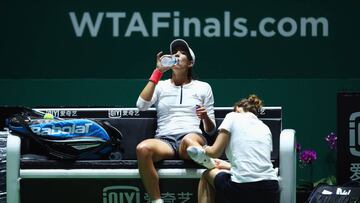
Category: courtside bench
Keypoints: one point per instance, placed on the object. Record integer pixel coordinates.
(31, 178)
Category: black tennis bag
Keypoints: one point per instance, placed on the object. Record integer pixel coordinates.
(347, 193)
(67, 138)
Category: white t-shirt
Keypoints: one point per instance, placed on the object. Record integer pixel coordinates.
(249, 148)
(176, 106)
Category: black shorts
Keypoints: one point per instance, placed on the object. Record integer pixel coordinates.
(254, 192)
(174, 141)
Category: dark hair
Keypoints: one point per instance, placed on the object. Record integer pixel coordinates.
(251, 104)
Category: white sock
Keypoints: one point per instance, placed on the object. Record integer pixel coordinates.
(157, 201)
(199, 156)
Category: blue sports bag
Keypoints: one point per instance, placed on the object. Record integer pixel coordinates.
(68, 138)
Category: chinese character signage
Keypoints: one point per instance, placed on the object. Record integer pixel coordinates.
(105, 190)
(348, 128)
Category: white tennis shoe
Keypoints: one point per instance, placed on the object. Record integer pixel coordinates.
(198, 155)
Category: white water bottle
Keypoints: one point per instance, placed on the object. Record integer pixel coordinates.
(168, 61)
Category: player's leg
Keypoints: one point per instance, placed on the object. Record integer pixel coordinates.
(148, 152)
(191, 139)
(206, 190)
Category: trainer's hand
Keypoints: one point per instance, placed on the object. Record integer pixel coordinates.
(201, 112)
(158, 62)
(221, 164)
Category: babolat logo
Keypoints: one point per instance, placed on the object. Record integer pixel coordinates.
(340, 191)
(78, 129)
(121, 194)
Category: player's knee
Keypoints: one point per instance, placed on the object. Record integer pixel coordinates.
(143, 151)
(188, 141)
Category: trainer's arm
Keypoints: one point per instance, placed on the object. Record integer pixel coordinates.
(217, 149)
(222, 164)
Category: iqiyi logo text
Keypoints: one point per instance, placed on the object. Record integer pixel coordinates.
(121, 194)
(354, 133)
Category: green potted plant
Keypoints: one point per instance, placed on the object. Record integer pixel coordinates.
(306, 158)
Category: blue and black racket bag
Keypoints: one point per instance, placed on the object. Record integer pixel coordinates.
(345, 193)
(68, 138)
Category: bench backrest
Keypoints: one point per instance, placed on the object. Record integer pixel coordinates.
(138, 125)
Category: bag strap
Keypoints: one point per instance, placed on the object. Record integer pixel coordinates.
(314, 192)
(114, 133)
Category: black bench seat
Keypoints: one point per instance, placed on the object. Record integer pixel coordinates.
(41, 178)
